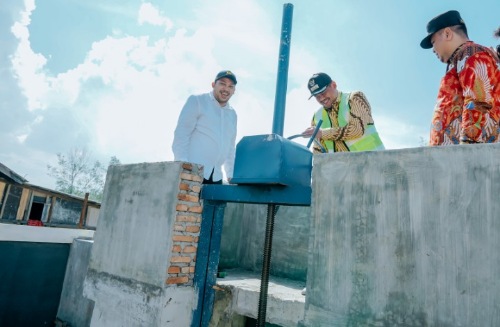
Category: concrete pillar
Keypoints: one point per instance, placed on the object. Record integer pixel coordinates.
(405, 238)
(143, 259)
(74, 308)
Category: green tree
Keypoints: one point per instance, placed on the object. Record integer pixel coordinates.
(78, 173)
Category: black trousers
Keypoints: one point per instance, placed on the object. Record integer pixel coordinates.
(210, 180)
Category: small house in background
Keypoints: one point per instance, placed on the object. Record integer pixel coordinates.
(24, 203)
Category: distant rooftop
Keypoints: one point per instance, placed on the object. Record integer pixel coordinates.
(11, 175)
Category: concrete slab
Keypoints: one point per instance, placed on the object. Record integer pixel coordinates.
(285, 303)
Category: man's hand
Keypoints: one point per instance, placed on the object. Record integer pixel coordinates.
(310, 130)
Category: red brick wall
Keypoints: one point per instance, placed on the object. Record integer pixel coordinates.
(186, 226)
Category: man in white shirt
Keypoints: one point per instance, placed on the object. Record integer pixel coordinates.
(206, 130)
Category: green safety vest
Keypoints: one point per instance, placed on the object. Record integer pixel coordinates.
(370, 141)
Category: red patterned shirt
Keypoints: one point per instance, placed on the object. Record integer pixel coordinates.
(468, 103)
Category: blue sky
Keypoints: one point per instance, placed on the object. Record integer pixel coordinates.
(112, 76)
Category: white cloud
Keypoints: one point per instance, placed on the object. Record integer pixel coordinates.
(125, 97)
(27, 64)
(150, 14)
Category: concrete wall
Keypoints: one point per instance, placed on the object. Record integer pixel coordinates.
(132, 251)
(407, 237)
(242, 244)
(393, 238)
(135, 210)
(74, 308)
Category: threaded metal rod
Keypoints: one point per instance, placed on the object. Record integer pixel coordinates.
(266, 265)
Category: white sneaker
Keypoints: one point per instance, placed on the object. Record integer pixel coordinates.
(303, 291)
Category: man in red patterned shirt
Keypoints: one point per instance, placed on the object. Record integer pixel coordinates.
(468, 102)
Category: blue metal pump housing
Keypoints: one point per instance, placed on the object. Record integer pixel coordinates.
(270, 159)
(268, 169)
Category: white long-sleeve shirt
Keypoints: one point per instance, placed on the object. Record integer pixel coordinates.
(206, 134)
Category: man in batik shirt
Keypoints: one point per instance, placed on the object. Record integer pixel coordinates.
(347, 123)
(468, 103)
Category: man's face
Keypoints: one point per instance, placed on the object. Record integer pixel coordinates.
(328, 96)
(440, 44)
(223, 90)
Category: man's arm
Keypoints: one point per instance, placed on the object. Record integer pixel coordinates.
(477, 78)
(185, 127)
(360, 117)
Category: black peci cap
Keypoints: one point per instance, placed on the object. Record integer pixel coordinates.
(318, 83)
(449, 18)
(226, 73)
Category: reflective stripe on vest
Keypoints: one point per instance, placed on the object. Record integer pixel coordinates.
(370, 141)
(322, 114)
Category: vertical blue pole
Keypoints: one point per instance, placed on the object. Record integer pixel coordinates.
(213, 263)
(202, 258)
(278, 122)
(282, 80)
(207, 261)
